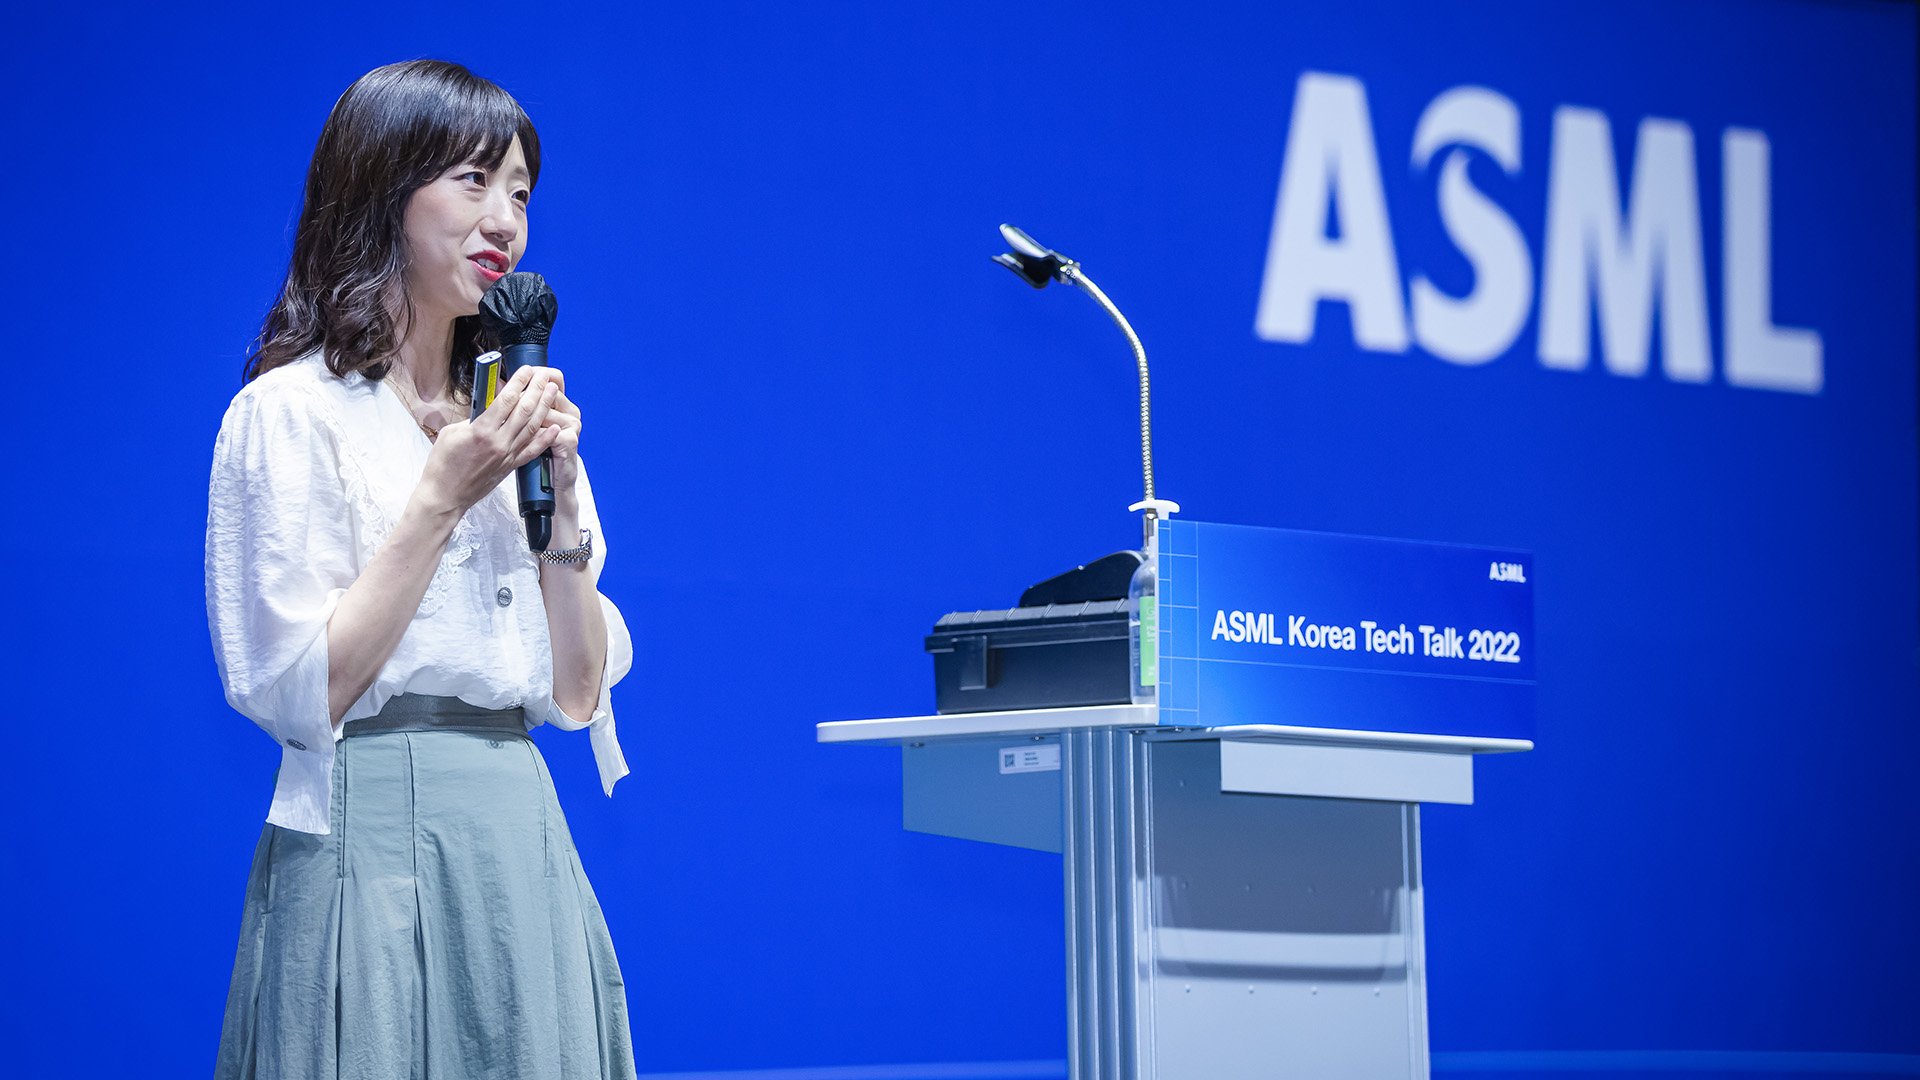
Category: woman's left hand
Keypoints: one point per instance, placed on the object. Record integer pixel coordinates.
(565, 415)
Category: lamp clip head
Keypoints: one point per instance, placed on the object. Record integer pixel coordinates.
(1035, 264)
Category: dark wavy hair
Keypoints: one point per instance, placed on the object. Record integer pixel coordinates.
(396, 129)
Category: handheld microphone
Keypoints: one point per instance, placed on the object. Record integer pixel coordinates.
(518, 311)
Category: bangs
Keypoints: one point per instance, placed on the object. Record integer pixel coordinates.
(404, 124)
(477, 122)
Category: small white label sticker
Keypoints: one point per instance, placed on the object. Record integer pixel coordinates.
(1040, 757)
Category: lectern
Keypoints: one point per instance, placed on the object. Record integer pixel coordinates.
(1242, 849)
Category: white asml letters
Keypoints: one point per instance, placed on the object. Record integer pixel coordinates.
(1610, 259)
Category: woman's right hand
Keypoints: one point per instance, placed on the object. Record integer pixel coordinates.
(471, 458)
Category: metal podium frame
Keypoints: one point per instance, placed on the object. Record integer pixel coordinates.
(1241, 902)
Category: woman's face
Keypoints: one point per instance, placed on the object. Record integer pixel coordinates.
(465, 229)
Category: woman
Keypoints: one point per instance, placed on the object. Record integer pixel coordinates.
(416, 908)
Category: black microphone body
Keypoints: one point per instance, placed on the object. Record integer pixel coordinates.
(533, 482)
(518, 310)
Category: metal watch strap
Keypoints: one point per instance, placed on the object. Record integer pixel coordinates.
(573, 554)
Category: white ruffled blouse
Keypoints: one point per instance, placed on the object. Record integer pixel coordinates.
(310, 474)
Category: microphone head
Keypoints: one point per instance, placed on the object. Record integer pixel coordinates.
(1035, 264)
(519, 309)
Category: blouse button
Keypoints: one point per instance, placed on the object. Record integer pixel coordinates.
(296, 744)
(503, 597)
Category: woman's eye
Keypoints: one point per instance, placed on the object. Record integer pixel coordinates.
(523, 197)
(474, 176)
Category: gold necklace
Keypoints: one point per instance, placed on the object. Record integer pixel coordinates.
(414, 407)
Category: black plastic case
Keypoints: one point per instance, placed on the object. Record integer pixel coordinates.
(1031, 657)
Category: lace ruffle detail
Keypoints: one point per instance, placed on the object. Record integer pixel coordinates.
(378, 503)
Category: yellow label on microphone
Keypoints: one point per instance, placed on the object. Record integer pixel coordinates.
(486, 382)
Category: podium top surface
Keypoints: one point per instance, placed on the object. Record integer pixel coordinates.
(895, 730)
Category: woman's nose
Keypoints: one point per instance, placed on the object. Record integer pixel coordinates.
(501, 226)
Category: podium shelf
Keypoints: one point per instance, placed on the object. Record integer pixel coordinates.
(900, 729)
(897, 730)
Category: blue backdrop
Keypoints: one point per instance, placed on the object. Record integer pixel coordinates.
(819, 418)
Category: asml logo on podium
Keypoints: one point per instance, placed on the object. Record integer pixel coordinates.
(1622, 259)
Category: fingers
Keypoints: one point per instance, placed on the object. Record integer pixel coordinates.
(564, 411)
(529, 415)
(525, 382)
(560, 413)
(562, 419)
(522, 375)
(542, 441)
(503, 404)
(539, 374)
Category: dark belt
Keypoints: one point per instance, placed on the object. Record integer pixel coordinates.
(422, 712)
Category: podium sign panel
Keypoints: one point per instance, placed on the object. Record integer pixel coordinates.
(1262, 626)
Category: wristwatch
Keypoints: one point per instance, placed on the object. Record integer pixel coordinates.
(572, 554)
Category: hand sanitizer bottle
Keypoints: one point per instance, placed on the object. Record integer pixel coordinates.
(1143, 628)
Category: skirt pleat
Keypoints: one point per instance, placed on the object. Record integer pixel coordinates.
(444, 930)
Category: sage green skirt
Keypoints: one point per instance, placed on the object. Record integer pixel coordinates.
(442, 931)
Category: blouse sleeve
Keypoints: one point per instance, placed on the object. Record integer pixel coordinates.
(279, 557)
(600, 732)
